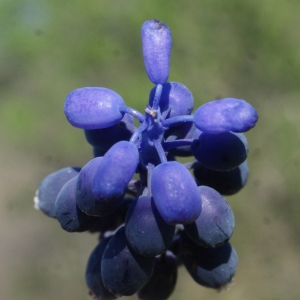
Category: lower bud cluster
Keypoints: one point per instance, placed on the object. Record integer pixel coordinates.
(145, 238)
(153, 213)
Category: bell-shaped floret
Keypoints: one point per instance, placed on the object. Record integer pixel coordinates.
(221, 152)
(124, 271)
(157, 44)
(113, 220)
(215, 224)
(223, 115)
(68, 214)
(50, 187)
(146, 231)
(209, 267)
(93, 273)
(93, 107)
(226, 183)
(175, 193)
(163, 280)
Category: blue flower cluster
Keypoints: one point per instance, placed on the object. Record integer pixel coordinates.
(151, 212)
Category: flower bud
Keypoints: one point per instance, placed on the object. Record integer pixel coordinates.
(157, 44)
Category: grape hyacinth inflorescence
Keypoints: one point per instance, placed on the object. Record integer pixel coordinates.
(151, 213)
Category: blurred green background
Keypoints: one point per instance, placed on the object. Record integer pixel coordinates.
(243, 49)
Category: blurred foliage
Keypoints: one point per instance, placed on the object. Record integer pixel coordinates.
(243, 49)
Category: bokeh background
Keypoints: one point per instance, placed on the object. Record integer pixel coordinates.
(243, 49)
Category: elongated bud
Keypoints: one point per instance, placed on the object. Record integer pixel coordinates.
(157, 44)
(114, 173)
(223, 115)
(175, 193)
(93, 108)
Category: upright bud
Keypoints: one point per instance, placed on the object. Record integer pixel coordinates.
(157, 44)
